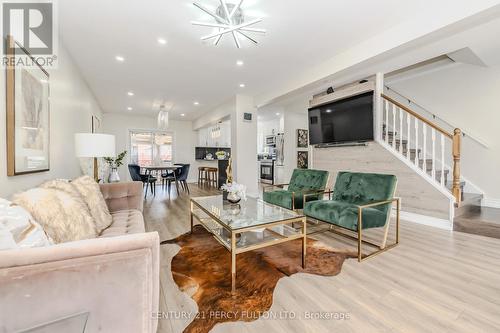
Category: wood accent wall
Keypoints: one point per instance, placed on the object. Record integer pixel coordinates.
(418, 196)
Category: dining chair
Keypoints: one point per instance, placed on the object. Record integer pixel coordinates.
(148, 180)
(183, 176)
(172, 176)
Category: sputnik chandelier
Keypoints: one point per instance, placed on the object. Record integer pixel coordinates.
(229, 19)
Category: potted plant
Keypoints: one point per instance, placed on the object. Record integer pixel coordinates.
(220, 155)
(114, 164)
(235, 191)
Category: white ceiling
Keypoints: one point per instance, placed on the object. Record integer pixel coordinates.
(299, 35)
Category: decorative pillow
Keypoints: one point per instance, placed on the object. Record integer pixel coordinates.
(18, 229)
(92, 195)
(65, 218)
(63, 185)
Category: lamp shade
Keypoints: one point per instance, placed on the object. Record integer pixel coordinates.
(94, 145)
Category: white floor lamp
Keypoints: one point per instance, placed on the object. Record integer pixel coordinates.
(94, 145)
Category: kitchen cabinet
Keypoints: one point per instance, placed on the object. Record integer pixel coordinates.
(205, 138)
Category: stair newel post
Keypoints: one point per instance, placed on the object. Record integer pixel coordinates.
(457, 143)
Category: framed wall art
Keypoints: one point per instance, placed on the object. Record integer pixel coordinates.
(28, 114)
(303, 160)
(302, 138)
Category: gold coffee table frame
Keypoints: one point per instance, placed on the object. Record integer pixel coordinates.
(234, 250)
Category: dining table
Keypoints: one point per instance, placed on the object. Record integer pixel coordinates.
(148, 170)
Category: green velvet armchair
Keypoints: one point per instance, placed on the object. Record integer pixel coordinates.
(303, 181)
(360, 201)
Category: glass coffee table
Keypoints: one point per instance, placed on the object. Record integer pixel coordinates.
(247, 226)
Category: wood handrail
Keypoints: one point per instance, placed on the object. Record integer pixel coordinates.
(456, 138)
(416, 115)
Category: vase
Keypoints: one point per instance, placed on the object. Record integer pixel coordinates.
(233, 198)
(113, 176)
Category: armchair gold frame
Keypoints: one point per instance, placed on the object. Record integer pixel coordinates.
(305, 193)
(382, 247)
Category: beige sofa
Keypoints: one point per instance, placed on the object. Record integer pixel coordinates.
(114, 278)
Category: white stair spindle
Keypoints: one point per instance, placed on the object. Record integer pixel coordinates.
(433, 172)
(424, 153)
(394, 127)
(408, 135)
(386, 121)
(416, 143)
(401, 131)
(442, 159)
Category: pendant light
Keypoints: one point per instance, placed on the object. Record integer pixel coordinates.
(163, 118)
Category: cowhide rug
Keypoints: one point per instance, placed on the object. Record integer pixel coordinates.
(202, 268)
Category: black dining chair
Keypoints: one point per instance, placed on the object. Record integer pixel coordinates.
(148, 180)
(168, 174)
(183, 176)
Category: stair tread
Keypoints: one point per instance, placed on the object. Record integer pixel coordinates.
(450, 186)
(473, 199)
(397, 140)
(485, 214)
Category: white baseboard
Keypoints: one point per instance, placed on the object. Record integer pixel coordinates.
(426, 220)
(492, 203)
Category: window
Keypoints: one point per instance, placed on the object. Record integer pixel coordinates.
(150, 148)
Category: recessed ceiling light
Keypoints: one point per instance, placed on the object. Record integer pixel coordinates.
(277, 113)
(130, 93)
(240, 63)
(162, 41)
(196, 103)
(120, 58)
(182, 114)
(129, 108)
(242, 85)
(328, 111)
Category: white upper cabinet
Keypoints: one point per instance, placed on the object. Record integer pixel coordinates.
(205, 138)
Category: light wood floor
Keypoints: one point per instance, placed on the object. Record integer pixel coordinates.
(434, 281)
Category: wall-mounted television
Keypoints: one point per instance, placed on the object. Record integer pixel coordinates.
(343, 121)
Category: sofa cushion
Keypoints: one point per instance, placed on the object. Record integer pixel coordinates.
(283, 198)
(18, 229)
(92, 195)
(64, 217)
(344, 214)
(125, 222)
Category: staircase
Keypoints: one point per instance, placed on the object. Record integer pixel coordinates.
(401, 146)
(429, 150)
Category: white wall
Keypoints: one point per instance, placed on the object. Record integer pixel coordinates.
(244, 147)
(295, 117)
(185, 139)
(72, 105)
(467, 97)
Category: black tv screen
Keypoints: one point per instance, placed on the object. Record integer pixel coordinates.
(346, 120)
